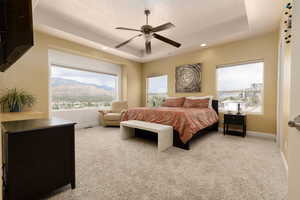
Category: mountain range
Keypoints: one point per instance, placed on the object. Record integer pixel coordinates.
(72, 88)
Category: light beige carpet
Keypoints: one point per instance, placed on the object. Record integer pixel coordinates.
(216, 168)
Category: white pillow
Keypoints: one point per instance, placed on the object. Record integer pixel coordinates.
(205, 97)
(173, 97)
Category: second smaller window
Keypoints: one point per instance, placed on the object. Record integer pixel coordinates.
(157, 90)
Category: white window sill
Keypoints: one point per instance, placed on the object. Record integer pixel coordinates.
(81, 109)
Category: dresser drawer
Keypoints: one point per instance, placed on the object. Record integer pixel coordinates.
(234, 119)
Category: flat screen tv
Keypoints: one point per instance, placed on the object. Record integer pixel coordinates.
(16, 31)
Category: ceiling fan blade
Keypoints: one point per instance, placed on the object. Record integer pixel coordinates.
(128, 29)
(126, 42)
(148, 47)
(163, 27)
(166, 40)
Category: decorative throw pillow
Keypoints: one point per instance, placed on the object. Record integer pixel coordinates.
(196, 103)
(204, 97)
(173, 102)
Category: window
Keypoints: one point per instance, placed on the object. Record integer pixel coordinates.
(78, 89)
(157, 90)
(241, 84)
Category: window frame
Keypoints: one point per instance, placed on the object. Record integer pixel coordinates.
(118, 81)
(147, 84)
(239, 64)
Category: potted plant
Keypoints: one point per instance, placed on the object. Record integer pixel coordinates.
(14, 100)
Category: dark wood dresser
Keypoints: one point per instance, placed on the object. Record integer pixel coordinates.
(38, 157)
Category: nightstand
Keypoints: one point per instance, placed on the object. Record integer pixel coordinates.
(237, 120)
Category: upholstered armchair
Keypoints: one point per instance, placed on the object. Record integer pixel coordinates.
(113, 117)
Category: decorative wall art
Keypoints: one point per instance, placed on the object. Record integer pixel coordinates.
(188, 78)
(288, 22)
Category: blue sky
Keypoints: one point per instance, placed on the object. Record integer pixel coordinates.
(239, 77)
(84, 76)
(158, 84)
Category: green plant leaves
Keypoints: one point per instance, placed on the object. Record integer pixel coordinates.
(16, 98)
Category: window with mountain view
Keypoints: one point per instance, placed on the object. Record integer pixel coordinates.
(241, 84)
(78, 89)
(157, 90)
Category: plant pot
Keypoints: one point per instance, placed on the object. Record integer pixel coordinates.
(15, 108)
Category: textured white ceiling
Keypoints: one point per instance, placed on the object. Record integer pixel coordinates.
(93, 22)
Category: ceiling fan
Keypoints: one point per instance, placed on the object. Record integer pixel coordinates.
(150, 32)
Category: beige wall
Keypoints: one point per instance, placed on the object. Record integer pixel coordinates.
(285, 85)
(31, 72)
(263, 47)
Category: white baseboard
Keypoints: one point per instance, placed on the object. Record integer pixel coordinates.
(286, 166)
(269, 136)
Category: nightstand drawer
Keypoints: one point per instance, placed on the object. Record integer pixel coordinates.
(234, 119)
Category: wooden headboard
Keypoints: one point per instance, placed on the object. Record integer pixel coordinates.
(215, 105)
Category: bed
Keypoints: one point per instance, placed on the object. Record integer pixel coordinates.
(187, 123)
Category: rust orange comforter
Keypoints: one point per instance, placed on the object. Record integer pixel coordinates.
(186, 121)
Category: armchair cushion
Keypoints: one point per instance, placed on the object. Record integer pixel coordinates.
(112, 116)
(104, 112)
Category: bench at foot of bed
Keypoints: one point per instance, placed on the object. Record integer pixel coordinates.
(164, 132)
(176, 141)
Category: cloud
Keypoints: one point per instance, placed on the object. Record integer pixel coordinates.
(158, 84)
(240, 77)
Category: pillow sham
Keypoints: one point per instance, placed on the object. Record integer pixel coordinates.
(196, 103)
(204, 97)
(174, 102)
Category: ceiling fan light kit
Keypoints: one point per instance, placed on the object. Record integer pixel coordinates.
(149, 33)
